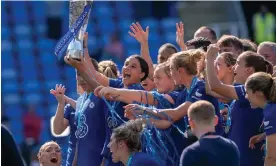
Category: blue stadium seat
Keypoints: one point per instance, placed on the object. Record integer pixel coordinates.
(52, 108)
(170, 38)
(41, 29)
(9, 74)
(17, 131)
(151, 22)
(29, 73)
(27, 60)
(69, 73)
(5, 32)
(103, 12)
(106, 26)
(7, 60)
(33, 98)
(46, 44)
(25, 45)
(51, 72)
(13, 111)
(19, 11)
(41, 111)
(124, 25)
(11, 98)
(22, 30)
(168, 24)
(45, 134)
(32, 86)
(39, 11)
(10, 87)
(154, 38)
(4, 16)
(124, 9)
(6, 45)
(48, 58)
(91, 28)
(93, 43)
(129, 40)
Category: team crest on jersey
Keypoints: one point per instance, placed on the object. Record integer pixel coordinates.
(112, 122)
(91, 105)
(83, 129)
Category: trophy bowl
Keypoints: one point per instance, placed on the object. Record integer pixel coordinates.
(75, 49)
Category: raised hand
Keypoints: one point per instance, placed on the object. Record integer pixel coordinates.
(212, 51)
(138, 33)
(73, 62)
(180, 35)
(59, 93)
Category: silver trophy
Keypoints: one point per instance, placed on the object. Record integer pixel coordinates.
(75, 48)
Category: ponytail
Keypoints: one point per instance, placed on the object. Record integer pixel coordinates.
(188, 60)
(109, 73)
(108, 68)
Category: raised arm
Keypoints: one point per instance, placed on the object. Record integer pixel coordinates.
(172, 115)
(227, 91)
(125, 95)
(70, 101)
(180, 36)
(212, 93)
(86, 68)
(60, 123)
(142, 37)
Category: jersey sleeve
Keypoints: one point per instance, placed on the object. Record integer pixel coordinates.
(68, 109)
(115, 83)
(240, 90)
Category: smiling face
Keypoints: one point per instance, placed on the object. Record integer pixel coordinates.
(132, 73)
(254, 98)
(163, 81)
(50, 154)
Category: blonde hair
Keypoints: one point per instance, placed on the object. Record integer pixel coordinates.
(188, 60)
(130, 132)
(263, 82)
(165, 67)
(108, 68)
(229, 58)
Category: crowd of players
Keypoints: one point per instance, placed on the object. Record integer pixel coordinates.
(211, 102)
